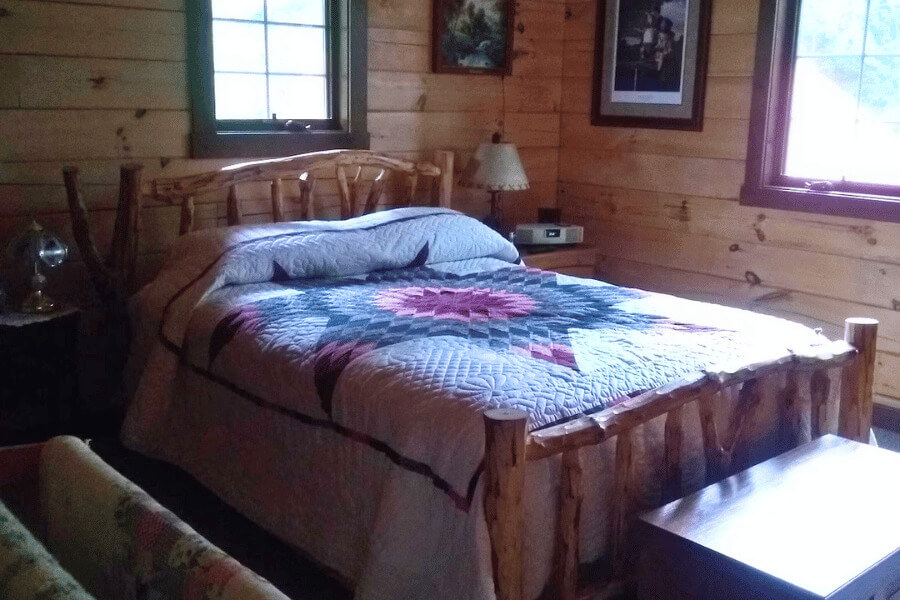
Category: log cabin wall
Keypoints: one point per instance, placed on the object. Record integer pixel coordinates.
(95, 83)
(662, 205)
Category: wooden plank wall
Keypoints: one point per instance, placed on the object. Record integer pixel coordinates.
(98, 82)
(663, 208)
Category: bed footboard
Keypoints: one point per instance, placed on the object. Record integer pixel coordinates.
(508, 446)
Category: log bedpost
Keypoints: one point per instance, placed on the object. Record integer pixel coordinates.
(123, 250)
(568, 530)
(855, 418)
(81, 231)
(504, 469)
(443, 159)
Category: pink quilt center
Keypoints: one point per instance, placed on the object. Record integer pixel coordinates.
(464, 304)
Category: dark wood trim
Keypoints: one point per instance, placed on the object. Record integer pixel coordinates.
(859, 206)
(695, 122)
(348, 69)
(437, 63)
(765, 185)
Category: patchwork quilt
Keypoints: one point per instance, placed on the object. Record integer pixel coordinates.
(327, 379)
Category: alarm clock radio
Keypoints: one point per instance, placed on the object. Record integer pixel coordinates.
(548, 234)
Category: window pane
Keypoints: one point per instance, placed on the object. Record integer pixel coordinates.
(239, 47)
(237, 9)
(880, 99)
(240, 96)
(298, 97)
(831, 27)
(298, 50)
(823, 117)
(875, 155)
(884, 27)
(305, 12)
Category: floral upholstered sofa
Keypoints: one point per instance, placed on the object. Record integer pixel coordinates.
(73, 528)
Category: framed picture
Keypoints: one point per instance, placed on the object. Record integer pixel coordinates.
(473, 36)
(650, 63)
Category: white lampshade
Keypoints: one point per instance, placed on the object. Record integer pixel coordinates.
(495, 167)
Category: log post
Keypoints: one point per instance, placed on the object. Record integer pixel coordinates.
(819, 390)
(306, 189)
(504, 470)
(233, 209)
(375, 193)
(749, 399)
(444, 185)
(568, 532)
(413, 186)
(186, 224)
(277, 201)
(791, 420)
(857, 378)
(712, 448)
(674, 434)
(344, 188)
(81, 231)
(621, 501)
(123, 250)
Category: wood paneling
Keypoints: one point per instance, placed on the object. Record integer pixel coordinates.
(98, 82)
(662, 206)
(95, 83)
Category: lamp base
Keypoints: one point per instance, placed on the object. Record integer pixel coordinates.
(495, 219)
(38, 302)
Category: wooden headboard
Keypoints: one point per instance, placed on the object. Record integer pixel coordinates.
(293, 180)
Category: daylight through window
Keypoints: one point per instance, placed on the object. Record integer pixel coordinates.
(270, 59)
(845, 103)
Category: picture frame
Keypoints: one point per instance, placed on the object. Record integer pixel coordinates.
(650, 63)
(473, 36)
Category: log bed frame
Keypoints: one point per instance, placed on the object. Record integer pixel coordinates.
(508, 446)
(508, 443)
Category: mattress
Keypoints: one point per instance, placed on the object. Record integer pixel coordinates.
(327, 379)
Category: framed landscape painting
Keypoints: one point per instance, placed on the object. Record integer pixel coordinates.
(473, 36)
(650, 63)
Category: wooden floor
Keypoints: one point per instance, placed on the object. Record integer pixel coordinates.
(223, 526)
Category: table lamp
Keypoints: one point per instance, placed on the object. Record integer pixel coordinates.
(495, 167)
(39, 250)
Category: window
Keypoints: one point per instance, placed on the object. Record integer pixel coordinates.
(276, 77)
(825, 122)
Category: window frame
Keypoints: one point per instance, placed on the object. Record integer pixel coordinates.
(765, 184)
(347, 35)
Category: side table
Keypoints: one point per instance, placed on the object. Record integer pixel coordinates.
(39, 383)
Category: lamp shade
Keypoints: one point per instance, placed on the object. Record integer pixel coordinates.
(495, 167)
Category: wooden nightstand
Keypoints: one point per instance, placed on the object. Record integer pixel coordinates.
(580, 261)
(39, 386)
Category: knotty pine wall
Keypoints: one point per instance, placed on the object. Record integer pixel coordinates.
(662, 205)
(95, 83)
